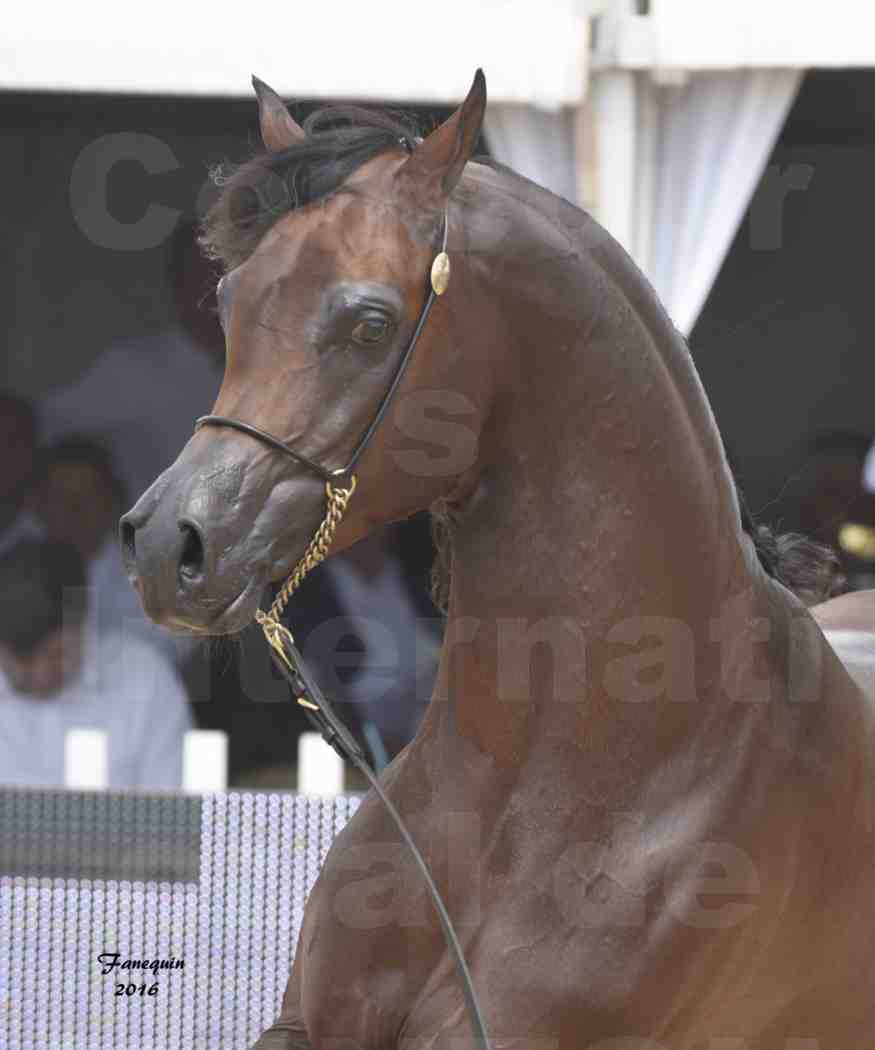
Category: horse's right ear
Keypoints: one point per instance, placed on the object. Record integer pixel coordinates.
(279, 129)
(437, 163)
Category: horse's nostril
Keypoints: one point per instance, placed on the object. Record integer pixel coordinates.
(127, 538)
(191, 560)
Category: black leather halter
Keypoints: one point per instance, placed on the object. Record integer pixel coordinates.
(345, 471)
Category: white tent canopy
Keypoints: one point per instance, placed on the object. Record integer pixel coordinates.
(685, 104)
(677, 166)
(685, 100)
(382, 49)
(533, 53)
(765, 34)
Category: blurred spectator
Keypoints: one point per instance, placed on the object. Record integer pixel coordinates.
(395, 673)
(18, 439)
(79, 499)
(141, 396)
(372, 641)
(826, 487)
(826, 501)
(58, 674)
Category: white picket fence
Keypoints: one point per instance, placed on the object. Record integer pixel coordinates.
(204, 763)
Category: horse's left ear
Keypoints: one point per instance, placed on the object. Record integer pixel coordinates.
(279, 129)
(437, 163)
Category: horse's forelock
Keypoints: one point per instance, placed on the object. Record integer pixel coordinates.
(257, 193)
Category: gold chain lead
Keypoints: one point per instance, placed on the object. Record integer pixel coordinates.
(315, 553)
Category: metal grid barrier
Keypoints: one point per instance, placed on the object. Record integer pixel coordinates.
(218, 882)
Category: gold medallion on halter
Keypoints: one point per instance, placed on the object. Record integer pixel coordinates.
(440, 273)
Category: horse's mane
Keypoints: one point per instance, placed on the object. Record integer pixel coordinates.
(339, 140)
(808, 569)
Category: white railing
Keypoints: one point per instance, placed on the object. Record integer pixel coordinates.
(204, 763)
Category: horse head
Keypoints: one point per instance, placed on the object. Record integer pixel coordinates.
(328, 241)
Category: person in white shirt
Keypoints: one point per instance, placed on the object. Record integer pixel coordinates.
(399, 649)
(57, 674)
(79, 498)
(142, 395)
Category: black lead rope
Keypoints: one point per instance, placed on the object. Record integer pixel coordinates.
(324, 718)
(282, 646)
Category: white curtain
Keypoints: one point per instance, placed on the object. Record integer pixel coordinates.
(703, 148)
(674, 166)
(535, 142)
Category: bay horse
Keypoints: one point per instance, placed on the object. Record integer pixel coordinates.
(644, 783)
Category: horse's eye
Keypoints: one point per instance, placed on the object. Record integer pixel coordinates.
(371, 330)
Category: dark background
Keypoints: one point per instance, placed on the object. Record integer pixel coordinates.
(783, 344)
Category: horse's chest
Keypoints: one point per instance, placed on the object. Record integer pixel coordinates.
(543, 946)
(380, 973)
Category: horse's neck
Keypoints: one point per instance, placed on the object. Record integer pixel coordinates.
(606, 499)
